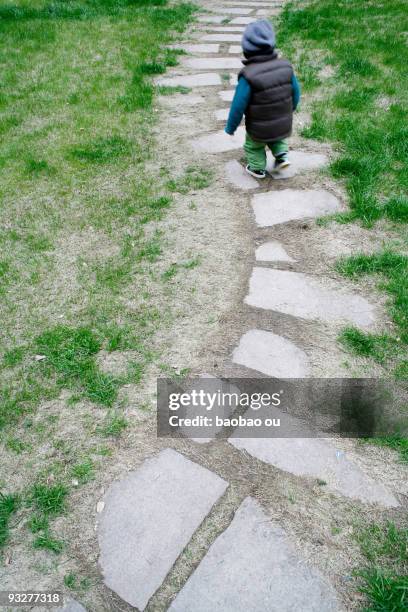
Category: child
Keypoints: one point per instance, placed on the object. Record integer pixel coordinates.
(267, 93)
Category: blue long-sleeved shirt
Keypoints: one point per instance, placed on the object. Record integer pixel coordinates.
(241, 100)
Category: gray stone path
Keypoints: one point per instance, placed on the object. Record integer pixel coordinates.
(275, 207)
(253, 567)
(235, 49)
(220, 37)
(317, 458)
(300, 161)
(304, 296)
(220, 141)
(212, 63)
(232, 10)
(148, 519)
(271, 354)
(272, 251)
(210, 19)
(151, 514)
(226, 95)
(238, 178)
(203, 79)
(242, 20)
(72, 606)
(203, 48)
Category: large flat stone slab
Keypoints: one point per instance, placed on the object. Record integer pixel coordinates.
(226, 95)
(212, 63)
(250, 4)
(272, 251)
(253, 567)
(148, 519)
(317, 458)
(222, 114)
(222, 37)
(72, 606)
(242, 20)
(218, 142)
(271, 354)
(273, 207)
(211, 19)
(235, 49)
(203, 79)
(236, 175)
(225, 28)
(200, 48)
(228, 10)
(304, 296)
(300, 162)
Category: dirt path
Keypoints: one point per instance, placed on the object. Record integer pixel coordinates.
(243, 524)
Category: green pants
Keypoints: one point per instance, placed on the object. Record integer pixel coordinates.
(256, 153)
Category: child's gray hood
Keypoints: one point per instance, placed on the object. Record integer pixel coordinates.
(258, 36)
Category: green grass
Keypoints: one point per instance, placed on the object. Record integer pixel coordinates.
(362, 109)
(193, 179)
(47, 542)
(81, 242)
(370, 67)
(114, 425)
(8, 506)
(391, 269)
(384, 580)
(49, 499)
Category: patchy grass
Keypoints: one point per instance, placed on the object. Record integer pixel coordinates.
(192, 180)
(49, 499)
(8, 506)
(384, 580)
(81, 245)
(392, 271)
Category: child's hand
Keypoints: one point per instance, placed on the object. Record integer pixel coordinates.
(229, 133)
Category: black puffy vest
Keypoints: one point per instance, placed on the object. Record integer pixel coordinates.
(268, 116)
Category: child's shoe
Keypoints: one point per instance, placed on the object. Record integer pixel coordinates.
(259, 174)
(281, 162)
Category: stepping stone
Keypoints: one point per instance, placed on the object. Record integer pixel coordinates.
(242, 20)
(262, 13)
(226, 95)
(209, 48)
(235, 49)
(253, 566)
(299, 162)
(304, 296)
(316, 458)
(271, 354)
(212, 63)
(72, 606)
(211, 19)
(273, 207)
(218, 142)
(204, 79)
(211, 384)
(222, 37)
(272, 251)
(235, 28)
(249, 4)
(232, 10)
(222, 114)
(149, 518)
(237, 176)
